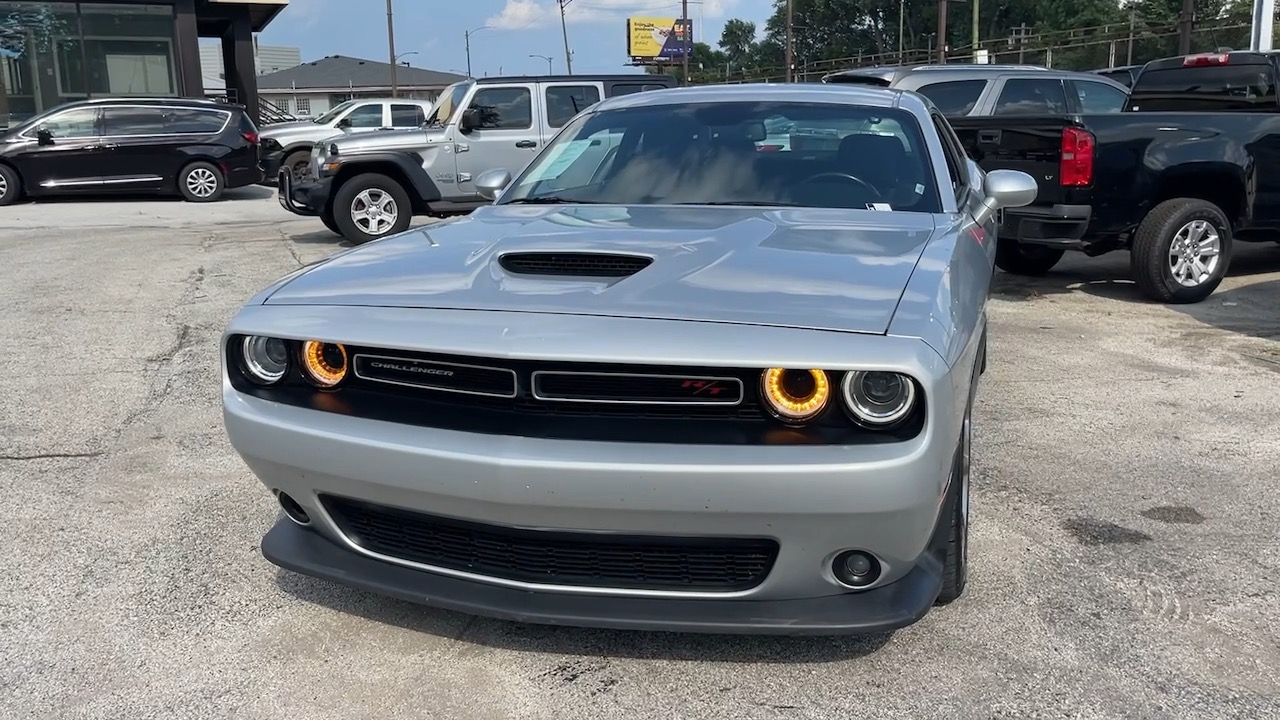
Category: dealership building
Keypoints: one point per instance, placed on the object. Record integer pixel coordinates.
(56, 52)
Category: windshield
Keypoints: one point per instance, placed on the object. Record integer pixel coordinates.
(447, 103)
(737, 153)
(334, 112)
(1210, 87)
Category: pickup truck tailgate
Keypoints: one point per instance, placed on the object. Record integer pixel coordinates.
(1030, 144)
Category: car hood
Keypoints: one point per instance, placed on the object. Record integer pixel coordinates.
(387, 140)
(293, 128)
(842, 270)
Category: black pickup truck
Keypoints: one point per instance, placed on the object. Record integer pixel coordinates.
(1191, 165)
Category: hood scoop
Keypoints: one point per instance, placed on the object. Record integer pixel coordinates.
(574, 264)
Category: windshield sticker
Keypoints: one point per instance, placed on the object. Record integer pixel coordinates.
(569, 152)
(883, 207)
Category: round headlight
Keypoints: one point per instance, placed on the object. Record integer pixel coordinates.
(795, 396)
(878, 399)
(264, 359)
(324, 363)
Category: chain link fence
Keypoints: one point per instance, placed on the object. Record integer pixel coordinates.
(1081, 49)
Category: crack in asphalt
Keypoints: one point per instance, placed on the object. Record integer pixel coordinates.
(56, 455)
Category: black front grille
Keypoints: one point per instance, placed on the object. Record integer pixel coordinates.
(575, 264)
(436, 375)
(556, 558)
(636, 388)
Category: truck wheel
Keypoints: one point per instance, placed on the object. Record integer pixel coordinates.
(298, 162)
(367, 207)
(1019, 259)
(1181, 251)
(326, 217)
(955, 563)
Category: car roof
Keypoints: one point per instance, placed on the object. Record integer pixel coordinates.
(866, 96)
(643, 78)
(153, 100)
(889, 72)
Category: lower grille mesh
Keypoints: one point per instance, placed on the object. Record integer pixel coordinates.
(555, 558)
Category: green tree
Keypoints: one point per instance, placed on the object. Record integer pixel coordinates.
(738, 41)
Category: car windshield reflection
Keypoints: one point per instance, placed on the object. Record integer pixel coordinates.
(771, 154)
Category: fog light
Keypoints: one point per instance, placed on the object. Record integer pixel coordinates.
(855, 569)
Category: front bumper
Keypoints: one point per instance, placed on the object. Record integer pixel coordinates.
(814, 501)
(893, 606)
(308, 198)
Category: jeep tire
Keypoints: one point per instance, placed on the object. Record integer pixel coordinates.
(369, 206)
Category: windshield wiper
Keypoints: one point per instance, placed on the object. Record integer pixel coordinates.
(549, 200)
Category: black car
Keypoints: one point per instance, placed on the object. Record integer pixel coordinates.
(195, 148)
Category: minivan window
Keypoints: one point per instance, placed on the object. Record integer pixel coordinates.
(956, 97)
(78, 123)
(118, 121)
(565, 101)
(1096, 97)
(504, 108)
(1211, 87)
(407, 115)
(1032, 96)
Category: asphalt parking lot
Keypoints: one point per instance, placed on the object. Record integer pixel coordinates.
(1125, 561)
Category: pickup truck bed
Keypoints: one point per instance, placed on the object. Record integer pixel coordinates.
(1191, 165)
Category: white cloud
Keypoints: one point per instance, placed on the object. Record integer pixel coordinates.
(521, 14)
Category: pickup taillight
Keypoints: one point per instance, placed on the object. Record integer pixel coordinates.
(1076, 166)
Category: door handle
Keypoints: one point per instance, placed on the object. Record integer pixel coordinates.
(526, 144)
(989, 136)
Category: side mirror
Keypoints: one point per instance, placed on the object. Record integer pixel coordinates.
(344, 123)
(469, 121)
(491, 183)
(1006, 189)
(44, 137)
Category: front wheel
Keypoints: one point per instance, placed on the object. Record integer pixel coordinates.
(1181, 251)
(201, 182)
(1019, 259)
(10, 185)
(367, 207)
(298, 162)
(955, 563)
(327, 219)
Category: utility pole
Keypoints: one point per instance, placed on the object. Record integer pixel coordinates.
(902, 15)
(975, 28)
(1264, 13)
(684, 37)
(942, 31)
(790, 54)
(1133, 20)
(391, 47)
(564, 30)
(1187, 20)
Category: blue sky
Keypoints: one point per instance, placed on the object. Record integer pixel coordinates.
(517, 29)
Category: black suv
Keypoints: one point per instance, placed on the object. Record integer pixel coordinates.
(195, 148)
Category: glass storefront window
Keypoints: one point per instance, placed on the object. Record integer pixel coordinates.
(56, 52)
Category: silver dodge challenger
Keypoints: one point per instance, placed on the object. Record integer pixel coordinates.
(677, 376)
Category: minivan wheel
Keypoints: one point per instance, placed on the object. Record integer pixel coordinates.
(367, 207)
(10, 186)
(201, 182)
(1181, 251)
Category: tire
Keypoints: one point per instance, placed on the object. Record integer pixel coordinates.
(380, 189)
(955, 563)
(1161, 238)
(10, 185)
(295, 161)
(201, 182)
(327, 219)
(1020, 259)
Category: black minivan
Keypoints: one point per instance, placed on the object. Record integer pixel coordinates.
(195, 148)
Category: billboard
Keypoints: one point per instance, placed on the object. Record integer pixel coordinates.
(652, 40)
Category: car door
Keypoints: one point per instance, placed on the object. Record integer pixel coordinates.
(138, 149)
(504, 137)
(63, 151)
(366, 117)
(561, 101)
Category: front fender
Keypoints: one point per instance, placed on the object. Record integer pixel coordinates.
(404, 164)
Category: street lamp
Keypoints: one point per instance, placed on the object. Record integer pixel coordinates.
(405, 54)
(544, 57)
(467, 36)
